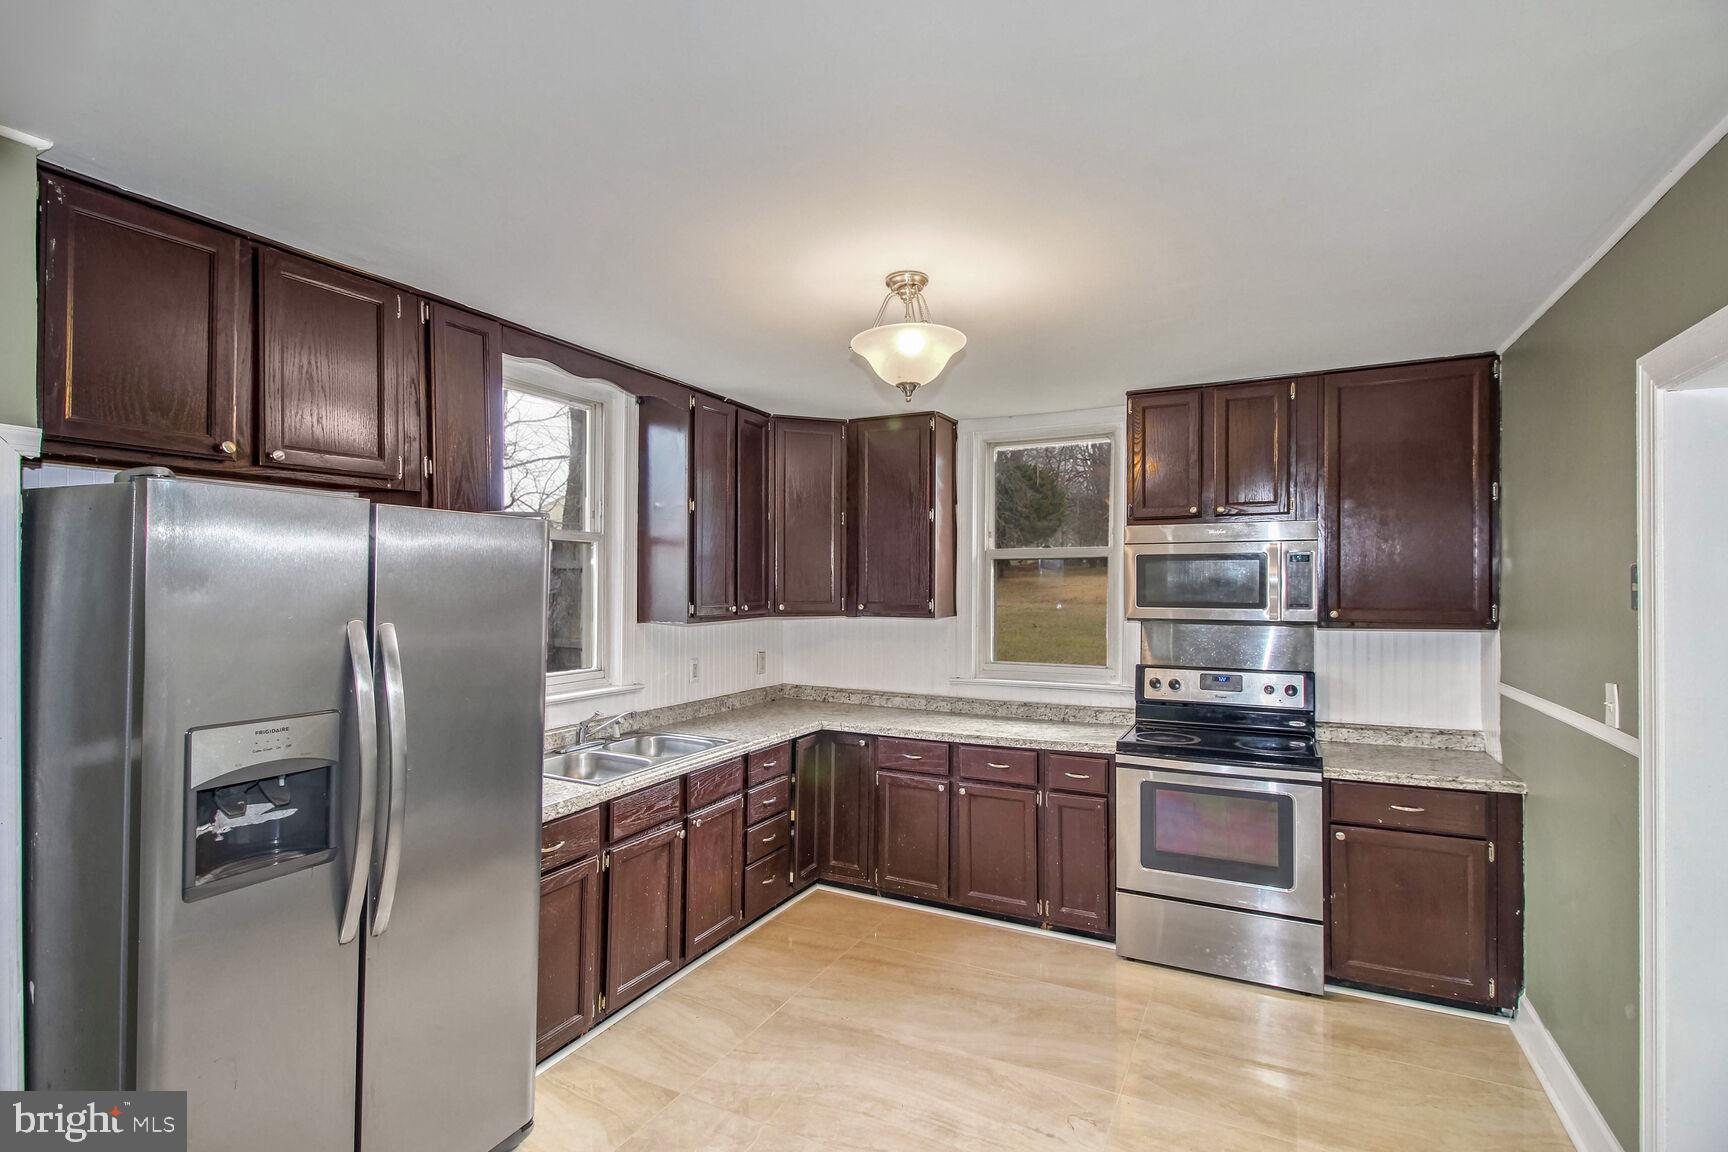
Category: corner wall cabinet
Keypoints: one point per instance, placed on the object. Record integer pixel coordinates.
(901, 506)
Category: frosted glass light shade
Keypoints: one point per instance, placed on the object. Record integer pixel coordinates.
(907, 355)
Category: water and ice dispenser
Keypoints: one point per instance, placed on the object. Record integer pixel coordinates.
(260, 800)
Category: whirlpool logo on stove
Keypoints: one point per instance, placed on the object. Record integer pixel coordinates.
(137, 1121)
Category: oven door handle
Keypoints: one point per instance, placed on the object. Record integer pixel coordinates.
(1140, 765)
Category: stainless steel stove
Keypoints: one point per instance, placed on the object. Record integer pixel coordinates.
(1219, 840)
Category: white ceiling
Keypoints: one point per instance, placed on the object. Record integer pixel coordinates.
(1106, 195)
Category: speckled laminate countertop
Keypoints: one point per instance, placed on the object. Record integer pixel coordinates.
(748, 729)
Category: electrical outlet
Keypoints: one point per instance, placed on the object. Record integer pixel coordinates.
(1611, 705)
(695, 670)
(761, 662)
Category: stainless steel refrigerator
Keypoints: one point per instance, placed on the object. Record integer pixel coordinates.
(282, 770)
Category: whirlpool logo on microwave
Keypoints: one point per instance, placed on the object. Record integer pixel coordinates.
(136, 1121)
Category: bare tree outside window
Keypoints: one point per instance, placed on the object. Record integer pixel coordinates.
(1048, 553)
(550, 467)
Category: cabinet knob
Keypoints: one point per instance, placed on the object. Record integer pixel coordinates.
(278, 454)
(1337, 835)
(1220, 510)
(1332, 615)
(1193, 509)
(734, 607)
(229, 448)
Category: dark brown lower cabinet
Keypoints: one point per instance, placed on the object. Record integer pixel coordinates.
(912, 820)
(1410, 911)
(767, 883)
(1075, 859)
(568, 1000)
(846, 801)
(644, 912)
(996, 849)
(714, 875)
(1426, 892)
(806, 794)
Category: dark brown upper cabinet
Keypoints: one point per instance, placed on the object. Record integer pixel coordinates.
(754, 469)
(338, 371)
(912, 821)
(1407, 497)
(809, 517)
(1224, 451)
(902, 515)
(466, 415)
(713, 509)
(663, 518)
(996, 848)
(1164, 478)
(146, 330)
(846, 808)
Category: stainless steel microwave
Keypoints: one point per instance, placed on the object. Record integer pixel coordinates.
(1242, 572)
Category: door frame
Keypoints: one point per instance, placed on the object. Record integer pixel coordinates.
(1695, 360)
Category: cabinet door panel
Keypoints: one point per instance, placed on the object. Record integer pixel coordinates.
(809, 534)
(467, 389)
(753, 534)
(146, 327)
(569, 982)
(337, 357)
(806, 810)
(644, 912)
(996, 849)
(846, 824)
(713, 487)
(912, 835)
(1411, 911)
(1406, 517)
(713, 895)
(892, 516)
(1075, 861)
(1250, 462)
(663, 520)
(1164, 477)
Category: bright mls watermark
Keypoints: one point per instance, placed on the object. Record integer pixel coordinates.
(136, 1121)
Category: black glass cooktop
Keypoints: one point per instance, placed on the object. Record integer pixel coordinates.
(1294, 748)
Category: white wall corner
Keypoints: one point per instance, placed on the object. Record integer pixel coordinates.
(1577, 1111)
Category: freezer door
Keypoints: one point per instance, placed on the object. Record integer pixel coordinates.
(245, 998)
(459, 622)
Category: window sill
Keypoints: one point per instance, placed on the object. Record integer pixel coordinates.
(589, 692)
(1062, 685)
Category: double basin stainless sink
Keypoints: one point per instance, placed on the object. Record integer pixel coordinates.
(609, 760)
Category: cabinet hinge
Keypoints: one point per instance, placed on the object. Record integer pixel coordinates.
(427, 461)
(1494, 613)
(842, 519)
(602, 1003)
(1491, 984)
(932, 516)
(692, 505)
(605, 863)
(425, 312)
(1496, 368)
(398, 305)
(791, 877)
(692, 403)
(692, 607)
(1494, 490)
(932, 423)
(1490, 851)
(930, 605)
(1292, 389)
(875, 875)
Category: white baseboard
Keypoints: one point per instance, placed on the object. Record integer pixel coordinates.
(1589, 1132)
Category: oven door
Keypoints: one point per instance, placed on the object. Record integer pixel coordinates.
(1237, 837)
(1226, 580)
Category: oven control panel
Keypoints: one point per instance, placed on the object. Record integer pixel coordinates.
(1292, 690)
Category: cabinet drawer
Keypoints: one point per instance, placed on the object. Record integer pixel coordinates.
(1412, 809)
(569, 838)
(767, 837)
(706, 786)
(1067, 772)
(638, 811)
(766, 800)
(767, 882)
(996, 765)
(928, 756)
(770, 762)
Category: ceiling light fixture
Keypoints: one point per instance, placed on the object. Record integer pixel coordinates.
(913, 351)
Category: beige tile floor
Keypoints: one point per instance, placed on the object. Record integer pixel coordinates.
(845, 1023)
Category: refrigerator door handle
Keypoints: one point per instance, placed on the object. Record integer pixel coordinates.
(396, 754)
(366, 723)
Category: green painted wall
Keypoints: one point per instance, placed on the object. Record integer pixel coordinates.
(17, 284)
(1569, 537)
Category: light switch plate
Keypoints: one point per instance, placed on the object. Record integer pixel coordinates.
(1611, 705)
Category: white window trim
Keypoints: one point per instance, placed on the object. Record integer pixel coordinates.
(979, 442)
(611, 431)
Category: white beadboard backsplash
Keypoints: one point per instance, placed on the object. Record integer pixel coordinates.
(1414, 679)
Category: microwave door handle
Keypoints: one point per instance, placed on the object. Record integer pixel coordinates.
(366, 723)
(395, 752)
(1274, 581)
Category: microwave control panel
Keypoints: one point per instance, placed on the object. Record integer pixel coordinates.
(1289, 690)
